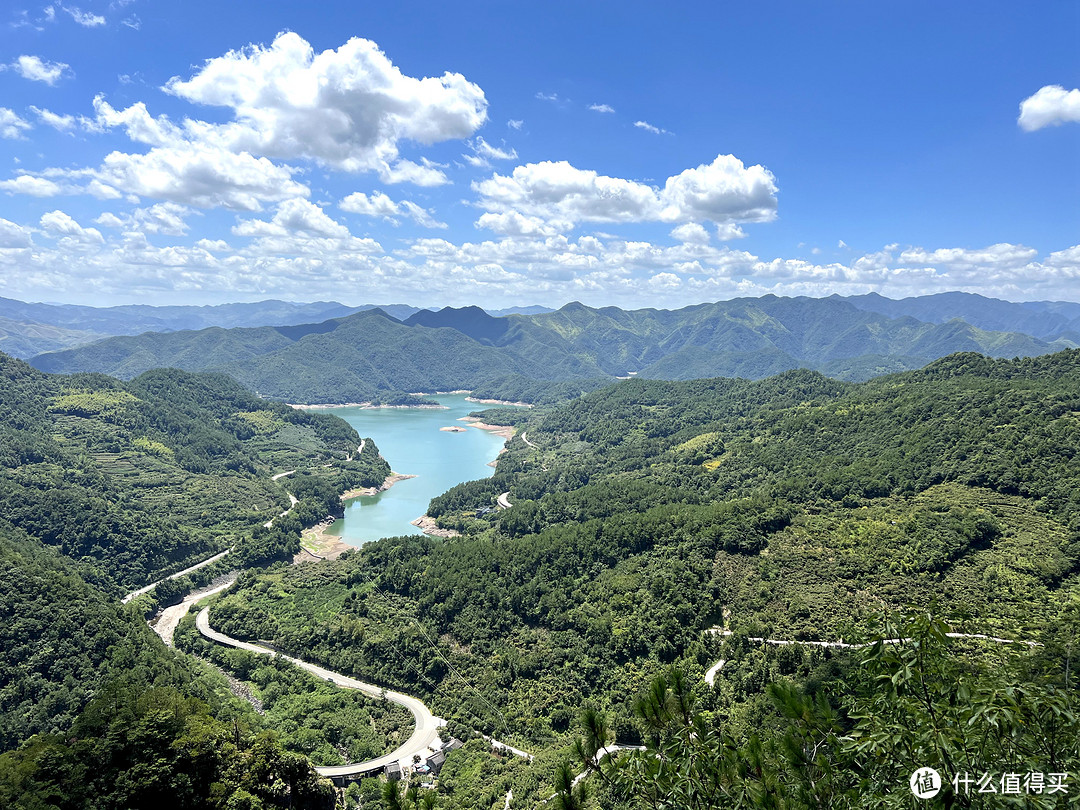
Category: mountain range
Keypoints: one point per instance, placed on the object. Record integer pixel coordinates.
(27, 329)
(373, 356)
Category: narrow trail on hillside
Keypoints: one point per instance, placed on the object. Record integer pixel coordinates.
(711, 673)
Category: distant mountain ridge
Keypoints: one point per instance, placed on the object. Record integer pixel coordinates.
(27, 329)
(1041, 319)
(371, 355)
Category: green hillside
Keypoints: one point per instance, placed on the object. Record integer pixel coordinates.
(793, 508)
(370, 356)
(142, 478)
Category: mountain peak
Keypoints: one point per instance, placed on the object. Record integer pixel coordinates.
(471, 321)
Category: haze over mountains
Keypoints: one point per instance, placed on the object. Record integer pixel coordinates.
(27, 329)
(375, 354)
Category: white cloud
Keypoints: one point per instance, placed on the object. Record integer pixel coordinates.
(1050, 106)
(511, 223)
(1002, 256)
(348, 108)
(83, 18)
(558, 193)
(13, 236)
(380, 205)
(375, 205)
(39, 70)
(726, 231)
(164, 218)
(722, 191)
(515, 123)
(405, 171)
(542, 96)
(421, 216)
(294, 216)
(11, 125)
(204, 178)
(665, 281)
(691, 232)
(59, 224)
(215, 245)
(32, 186)
(602, 108)
(63, 123)
(483, 153)
(645, 125)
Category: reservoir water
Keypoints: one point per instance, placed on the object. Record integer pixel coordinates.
(411, 442)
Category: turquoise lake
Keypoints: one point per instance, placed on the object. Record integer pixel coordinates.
(411, 442)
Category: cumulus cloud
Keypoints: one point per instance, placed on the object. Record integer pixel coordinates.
(724, 191)
(380, 205)
(726, 231)
(1002, 256)
(602, 108)
(515, 123)
(189, 175)
(164, 218)
(61, 225)
(1049, 107)
(294, 216)
(511, 223)
(692, 233)
(348, 108)
(32, 186)
(11, 125)
(39, 70)
(13, 236)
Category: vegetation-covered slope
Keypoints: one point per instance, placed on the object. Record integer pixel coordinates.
(142, 477)
(371, 356)
(104, 486)
(644, 514)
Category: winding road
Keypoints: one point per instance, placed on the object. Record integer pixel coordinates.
(425, 732)
(166, 624)
(177, 575)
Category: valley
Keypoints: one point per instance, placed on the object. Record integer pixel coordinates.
(742, 546)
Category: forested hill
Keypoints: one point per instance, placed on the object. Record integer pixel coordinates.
(793, 508)
(106, 485)
(142, 477)
(371, 356)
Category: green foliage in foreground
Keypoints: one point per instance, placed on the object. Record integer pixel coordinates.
(853, 742)
(158, 749)
(62, 639)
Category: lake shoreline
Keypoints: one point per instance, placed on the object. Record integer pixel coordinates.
(505, 431)
(362, 492)
(367, 406)
(428, 526)
(499, 402)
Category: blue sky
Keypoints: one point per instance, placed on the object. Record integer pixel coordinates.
(503, 153)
